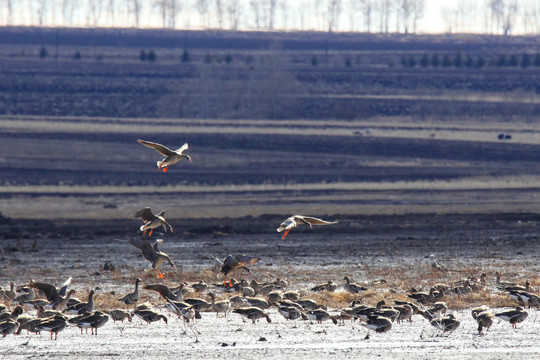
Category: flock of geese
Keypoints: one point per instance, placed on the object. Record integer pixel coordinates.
(41, 307)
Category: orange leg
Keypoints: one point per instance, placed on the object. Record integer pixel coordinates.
(285, 234)
(230, 283)
(150, 233)
(144, 233)
(160, 274)
(165, 169)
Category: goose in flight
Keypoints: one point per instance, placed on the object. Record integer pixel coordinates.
(171, 156)
(296, 220)
(152, 221)
(237, 262)
(151, 253)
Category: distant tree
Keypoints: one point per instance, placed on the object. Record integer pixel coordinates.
(412, 61)
(334, 11)
(513, 60)
(314, 61)
(151, 56)
(469, 62)
(537, 60)
(348, 62)
(458, 62)
(480, 62)
(228, 58)
(424, 61)
(435, 60)
(525, 61)
(142, 55)
(43, 52)
(446, 62)
(502, 61)
(185, 56)
(77, 55)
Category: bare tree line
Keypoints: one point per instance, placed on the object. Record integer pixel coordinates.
(384, 16)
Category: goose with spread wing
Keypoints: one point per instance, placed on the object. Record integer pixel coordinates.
(237, 262)
(171, 156)
(152, 254)
(152, 221)
(296, 220)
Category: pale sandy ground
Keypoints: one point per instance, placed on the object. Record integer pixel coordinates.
(283, 340)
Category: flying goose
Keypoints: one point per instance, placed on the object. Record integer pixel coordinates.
(514, 317)
(152, 221)
(171, 157)
(296, 220)
(237, 262)
(133, 297)
(151, 253)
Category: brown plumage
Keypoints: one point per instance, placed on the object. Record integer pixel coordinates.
(152, 221)
(231, 263)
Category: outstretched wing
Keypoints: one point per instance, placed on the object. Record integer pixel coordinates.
(156, 244)
(182, 148)
(49, 290)
(146, 248)
(315, 221)
(163, 150)
(244, 260)
(145, 214)
(163, 290)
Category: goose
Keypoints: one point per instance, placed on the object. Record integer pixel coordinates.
(514, 317)
(149, 315)
(198, 304)
(423, 297)
(28, 295)
(435, 310)
(165, 292)
(415, 309)
(291, 313)
(321, 315)
(133, 297)
(253, 314)
(199, 286)
(10, 294)
(53, 325)
(379, 324)
(405, 313)
(296, 220)
(18, 310)
(8, 326)
(171, 157)
(93, 321)
(29, 324)
(119, 315)
(56, 300)
(183, 310)
(43, 313)
(330, 286)
(274, 297)
(152, 221)
(220, 306)
(82, 307)
(237, 262)
(152, 254)
(448, 323)
(351, 287)
(484, 320)
(477, 310)
(308, 304)
(257, 302)
(291, 295)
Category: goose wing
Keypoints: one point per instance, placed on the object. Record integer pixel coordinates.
(146, 214)
(315, 221)
(49, 290)
(182, 148)
(146, 248)
(244, 260)
(163, 150)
